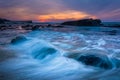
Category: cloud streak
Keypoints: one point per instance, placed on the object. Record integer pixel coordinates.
(67, 15)
(59, 9)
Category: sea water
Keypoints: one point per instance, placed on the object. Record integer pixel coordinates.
(63, 54)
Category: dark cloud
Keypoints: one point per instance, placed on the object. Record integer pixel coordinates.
(31, 9)
(34, 6)
(96, 7)
(92, 5)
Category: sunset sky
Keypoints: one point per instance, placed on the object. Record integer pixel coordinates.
(60, 10)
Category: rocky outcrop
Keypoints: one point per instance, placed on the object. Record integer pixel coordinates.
(96, 61)
(93, 58)
(18, 39)
(84, 22)
(44, 52)
(2, 21)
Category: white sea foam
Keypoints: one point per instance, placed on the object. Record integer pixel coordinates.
(52, 55)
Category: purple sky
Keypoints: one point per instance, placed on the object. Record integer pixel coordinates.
(60, 10)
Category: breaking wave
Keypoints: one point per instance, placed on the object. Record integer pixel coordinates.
(59, 56)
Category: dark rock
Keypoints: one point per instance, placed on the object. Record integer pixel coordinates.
(18, 39)
(36, 27)
(44, 52)
(95, 61)
(2, 21)
(84, 22)
(58, 26)
(3, 28)
(49, 25)
(27, 27)
(21, 22)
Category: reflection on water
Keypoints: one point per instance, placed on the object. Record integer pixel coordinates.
(61, 55)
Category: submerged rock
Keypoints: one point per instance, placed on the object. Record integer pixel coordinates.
(95, 58)
(44, 52)
(18, 39)
(96, 61)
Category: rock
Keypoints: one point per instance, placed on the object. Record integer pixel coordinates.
(27, 27)
(49, 25)
(95, 61)
(58, 26)
(44, 52)
(18, 39)
(92, 57)
(84, 22)
(2, 21)
(36, 27)
(3, 27)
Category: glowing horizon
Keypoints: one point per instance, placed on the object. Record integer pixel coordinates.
(67, 15)
(59, 10)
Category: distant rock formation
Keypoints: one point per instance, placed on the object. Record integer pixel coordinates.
(2, 21)
(21, 22)
(84, 22)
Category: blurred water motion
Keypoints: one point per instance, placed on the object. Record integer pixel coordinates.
(76, 54)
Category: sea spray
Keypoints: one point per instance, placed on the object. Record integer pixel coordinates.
(19, 68)
(62, 61)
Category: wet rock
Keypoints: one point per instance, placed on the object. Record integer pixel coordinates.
(95, 61)
(27, 27)
(18, 39)
(58, 26)
(36, 27)
(3, 27)
(93, 57)
(49, 25)
(44, 52)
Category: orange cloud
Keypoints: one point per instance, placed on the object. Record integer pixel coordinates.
(67, 15)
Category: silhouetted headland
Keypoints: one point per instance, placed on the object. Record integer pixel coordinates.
(84, 22)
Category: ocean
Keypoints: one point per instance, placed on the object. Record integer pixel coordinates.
(68, 53)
